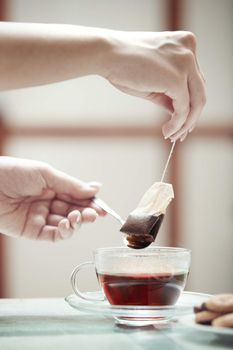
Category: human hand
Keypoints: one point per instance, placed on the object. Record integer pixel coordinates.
(40, 202)
(161, 67)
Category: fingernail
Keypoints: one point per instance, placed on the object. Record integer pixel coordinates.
(67, 225)
(94, 184)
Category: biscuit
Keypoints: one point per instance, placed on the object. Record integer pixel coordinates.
(222, 303)
(224, 321)
(206, 317)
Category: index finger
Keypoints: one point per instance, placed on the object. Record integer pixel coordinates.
(181, 106)
(197, 102)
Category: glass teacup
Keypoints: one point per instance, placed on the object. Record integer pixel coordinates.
(155, 276)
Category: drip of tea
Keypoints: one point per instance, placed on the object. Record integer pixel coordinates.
(143, 289)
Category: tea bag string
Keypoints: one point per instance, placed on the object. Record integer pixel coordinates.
(168, 160)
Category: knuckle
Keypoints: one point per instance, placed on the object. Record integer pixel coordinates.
(188, 57)
(198, 104)
(184, 108)
(178, 120)
(203, 100)
(185, 59)
(185, 111)
(191, 41)
(188, 39)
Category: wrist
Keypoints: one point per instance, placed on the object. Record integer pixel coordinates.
(102, 50)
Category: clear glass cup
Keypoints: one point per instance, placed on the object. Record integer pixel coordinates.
(155, 276)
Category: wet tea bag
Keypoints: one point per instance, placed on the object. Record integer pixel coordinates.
(143, 223)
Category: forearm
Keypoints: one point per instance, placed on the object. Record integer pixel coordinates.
(36, 54)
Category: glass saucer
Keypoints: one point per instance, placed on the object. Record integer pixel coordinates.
(137, 315)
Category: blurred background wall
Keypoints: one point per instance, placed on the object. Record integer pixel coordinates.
(129, 158)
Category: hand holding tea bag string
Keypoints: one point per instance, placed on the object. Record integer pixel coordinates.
(161, 67)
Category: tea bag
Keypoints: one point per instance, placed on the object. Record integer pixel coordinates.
(143, 223)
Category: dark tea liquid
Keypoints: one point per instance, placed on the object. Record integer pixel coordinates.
(157, 289)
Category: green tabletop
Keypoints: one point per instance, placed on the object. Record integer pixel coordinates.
(31, 324)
